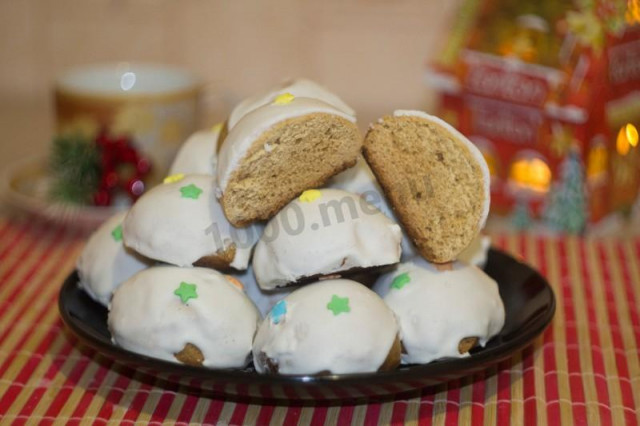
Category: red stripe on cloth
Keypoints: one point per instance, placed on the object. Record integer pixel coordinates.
(138, 401)
(36, 321)
(213, 413)
(188, 408)
(529, 387)
(398, 413)
(528, 375)
(631, 297)
(573, 354)
(503, 395)
(372, 414)
(477, 398)
(170, 387)
(239, 412)
(28, 368)
(17, 264)
(67, 387)
(4, 230)
(425, 414)
(34, 237)
(23, 287)
(619, 349)
(26, 371)
(345, 414)
(548, 349)
(292, 415)
(116, 393)
(90, 392)
(9, 245)
(597, 360)
(453, 403)
(319, 416)
(162, 407)
(37, 393)
(266, 411)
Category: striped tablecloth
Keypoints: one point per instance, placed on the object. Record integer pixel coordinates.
(585, 369)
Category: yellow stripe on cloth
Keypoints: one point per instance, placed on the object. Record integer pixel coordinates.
(630, 346)
(604, 330)
(633, 262)
(580, 307)
(538, 353)
(552, 256)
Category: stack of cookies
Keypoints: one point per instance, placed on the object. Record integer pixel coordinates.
(285, 237)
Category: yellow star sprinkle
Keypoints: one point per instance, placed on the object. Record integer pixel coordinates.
(174, 178)
(216, 127)
(310, 195)
(283, 99)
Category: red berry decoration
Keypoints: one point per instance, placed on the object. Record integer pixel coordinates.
(123, 169)
(96, 171)
(102, 198)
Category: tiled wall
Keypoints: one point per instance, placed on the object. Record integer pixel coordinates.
(372, 53)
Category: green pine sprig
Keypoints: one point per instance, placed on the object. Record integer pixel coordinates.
(75, 168)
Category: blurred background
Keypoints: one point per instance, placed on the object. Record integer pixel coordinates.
(372, 53)
(548, 90)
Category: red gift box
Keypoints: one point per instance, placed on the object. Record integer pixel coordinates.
(550, 93)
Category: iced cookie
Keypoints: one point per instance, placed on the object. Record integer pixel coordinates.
(195, 316)
(105, 262)
(360, 180)
(436, 180)
(181, 222)
(329, 327)
(441, 313)
(324, 232)
(301, 88)
(280, 149)
(198, 155)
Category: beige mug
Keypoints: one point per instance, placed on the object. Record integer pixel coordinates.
(155, 105)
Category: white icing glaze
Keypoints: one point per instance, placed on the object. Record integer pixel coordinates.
(310, 338)
(300, 87)
(105, 262)
(145, 316)
(307, 238)
(477, 251)
(263, 299)
(165, 226)
(475, 152)
(198, 155)
(437, 309)
(360, 180)
(251, 126)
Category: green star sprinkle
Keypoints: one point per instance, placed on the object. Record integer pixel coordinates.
(338, 305)
(190, 191)
(400, 281)
(117, 233)
(186, 291)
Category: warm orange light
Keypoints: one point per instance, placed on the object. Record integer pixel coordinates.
(533, 174)
(627, 137)
(632, 134)
(597, 162)
(632, 15)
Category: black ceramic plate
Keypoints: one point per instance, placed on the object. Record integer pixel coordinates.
(529, 305)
